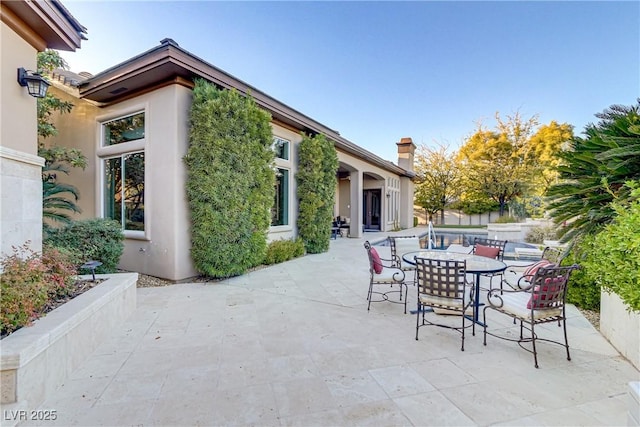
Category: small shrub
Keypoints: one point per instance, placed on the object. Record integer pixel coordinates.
(61, 271)
(415, 221)
(505, 219)
(541, 233)
(92, 239)
(283, 250)
(28, 281)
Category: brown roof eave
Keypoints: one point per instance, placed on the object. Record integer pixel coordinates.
(169, 53)
(50, 21)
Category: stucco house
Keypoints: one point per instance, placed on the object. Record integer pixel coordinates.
(27, 28)
(135, 116)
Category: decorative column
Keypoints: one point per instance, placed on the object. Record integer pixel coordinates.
(355, 212)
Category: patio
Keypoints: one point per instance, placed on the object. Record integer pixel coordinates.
(293, 344)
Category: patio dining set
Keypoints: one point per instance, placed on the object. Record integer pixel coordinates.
(448, 283)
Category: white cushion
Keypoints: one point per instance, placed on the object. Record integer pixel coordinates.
(389, 274)
(516, 303)
(446, 302)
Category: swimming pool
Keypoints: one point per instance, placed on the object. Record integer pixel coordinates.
(445, 239)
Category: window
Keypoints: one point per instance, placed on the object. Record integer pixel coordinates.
(281, 148)
(124, 190)
(122, 130)
(280, 210)
(123, 182)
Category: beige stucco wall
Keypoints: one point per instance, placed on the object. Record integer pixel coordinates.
(80, 133)
(20, 168)
(164, 250)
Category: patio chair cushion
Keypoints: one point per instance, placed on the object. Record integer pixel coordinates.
(533, 268)
(487, 251)
(550, 285)
(389, 274)
(515, 303)
(447, 302)
(377, 263)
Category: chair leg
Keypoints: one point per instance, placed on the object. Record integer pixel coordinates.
(463, 319)
(566, 341)
(533, 341)
(369, 296)
(484, 325)
(406, 296)
(418, 320)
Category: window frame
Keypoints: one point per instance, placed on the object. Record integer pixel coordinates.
(120, 150)
(285, 164)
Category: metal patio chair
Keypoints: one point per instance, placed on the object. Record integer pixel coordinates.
(490, 248)
(442, 285)
(401, 245)
(542, 302)
(384, 274)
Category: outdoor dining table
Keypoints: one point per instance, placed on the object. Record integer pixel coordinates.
(476, 264)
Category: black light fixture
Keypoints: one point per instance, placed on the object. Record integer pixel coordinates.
(35, 83)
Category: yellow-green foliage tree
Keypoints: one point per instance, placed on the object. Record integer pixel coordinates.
(437, 179)
(545, 145)
(513, 161)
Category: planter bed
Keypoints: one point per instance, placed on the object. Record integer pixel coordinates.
(35, 360)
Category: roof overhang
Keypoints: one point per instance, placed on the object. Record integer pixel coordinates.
(44, 24)
(168, 63)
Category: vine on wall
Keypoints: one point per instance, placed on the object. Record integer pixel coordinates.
(316, 178)
(230, 181)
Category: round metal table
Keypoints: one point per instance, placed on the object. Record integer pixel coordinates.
(475, 265)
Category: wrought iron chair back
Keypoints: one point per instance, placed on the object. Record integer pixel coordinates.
(541, 302)
(400, 245)
(492, 243)
(442, 285)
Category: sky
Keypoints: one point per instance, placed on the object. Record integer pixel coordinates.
(380, 71)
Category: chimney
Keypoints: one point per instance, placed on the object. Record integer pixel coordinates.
(406, 148)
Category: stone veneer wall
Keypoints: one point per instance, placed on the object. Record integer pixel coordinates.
(35, 360)
(21, 199)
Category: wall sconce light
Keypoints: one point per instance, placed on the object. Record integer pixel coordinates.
(35, 83)
(388, 194)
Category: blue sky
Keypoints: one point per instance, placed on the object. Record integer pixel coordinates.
(380, 71)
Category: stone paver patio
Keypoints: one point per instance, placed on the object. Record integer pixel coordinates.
(294, 344)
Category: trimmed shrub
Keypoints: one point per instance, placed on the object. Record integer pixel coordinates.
(96, 239)
(316, 177)
(613, 261)
(541, 233)
(505, 219)
(28, 281)
(230, 181)
(283, 250)
(415, 221)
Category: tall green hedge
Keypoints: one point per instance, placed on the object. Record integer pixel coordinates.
(316, 177)
(230, 181)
